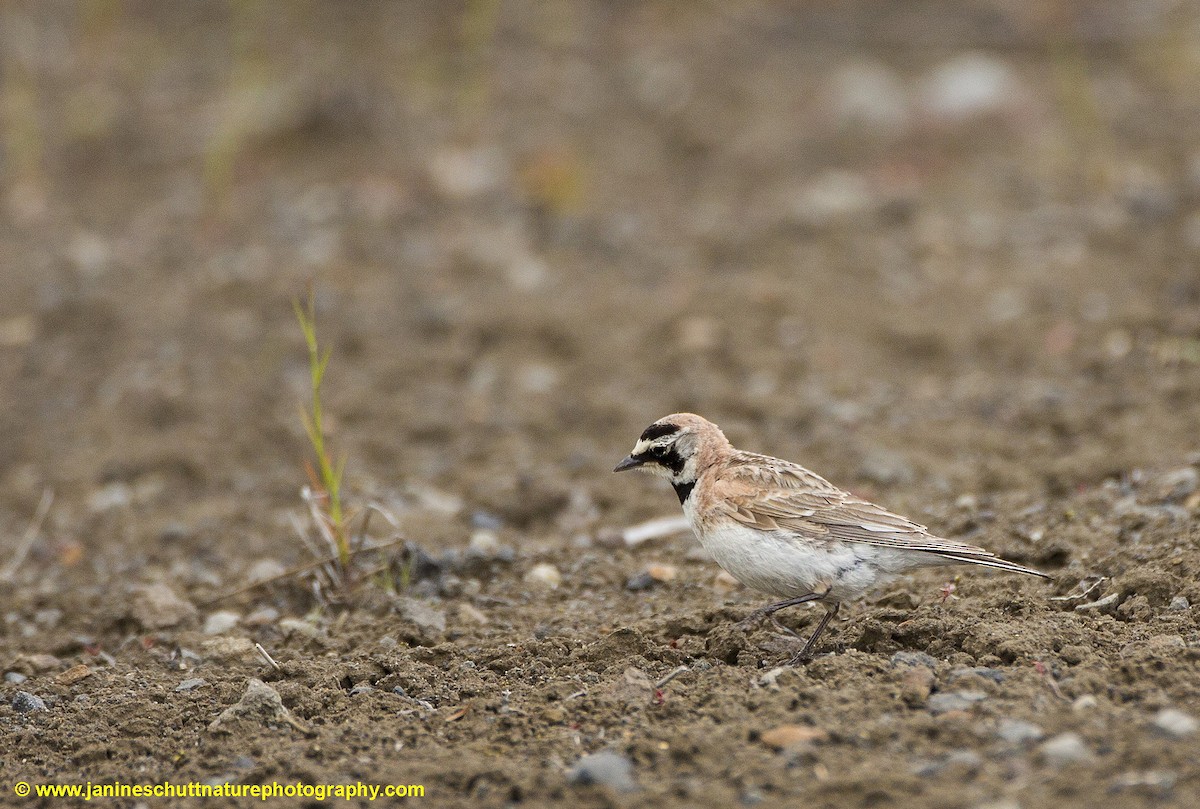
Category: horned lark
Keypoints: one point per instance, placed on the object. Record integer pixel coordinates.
(779, 528)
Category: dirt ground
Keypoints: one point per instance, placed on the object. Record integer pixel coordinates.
(945, 254)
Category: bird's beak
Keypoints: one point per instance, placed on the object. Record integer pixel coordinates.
(629, 463)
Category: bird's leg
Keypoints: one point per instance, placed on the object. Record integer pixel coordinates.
(751, 620)
(806, 653)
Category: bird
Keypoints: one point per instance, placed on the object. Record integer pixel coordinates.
(786, 531)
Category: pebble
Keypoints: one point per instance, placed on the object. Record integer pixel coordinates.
(221, 622)
(1175, 723)
(14, 677)
(640, 581)
(424, 616)
(484, 544)
(1065, 748)
(605, 768)
(191, 684)
(662, 573)
(157, 606)
(1018, 731)
(968, 87)
(945, 702)
(916, 686)
(912, 659)
(361, 689)
(1084, 703)
(789, 736)
(967, 760)
(1179, 603)
(74, 674)
(995, 675)
(260, 703)
(265, 570)
(545, 575)
(262, 617)
(297, 626)
(24, 702)
(470, 614)
(465, 173)
(724, 583)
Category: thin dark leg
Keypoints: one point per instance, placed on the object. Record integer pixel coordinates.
(766, 612)
(806, 652)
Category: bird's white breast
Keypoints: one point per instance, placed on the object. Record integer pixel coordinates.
(783, 564)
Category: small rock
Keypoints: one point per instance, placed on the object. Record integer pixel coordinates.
(227, 647)
(545, 575)
(912, 659)
(639, 581)
(157, 606)
(963, 760)
(14, 677)
(790, 736)
(191, 684)
(221, 622)
(262, 704)
(24, 702)
(1084, 703)
(74, 674)
(469, 614)
(262, 617)
(462, 173)
(662, 573)
(1106, 604)
(1156, 782)
(916, 686)
(1179, 603)
(265, 570)
(360, 689)
(1018, 731)
(724, 583)
(486, 521)
(968, 87)
(425, 617)
(1177, 485)
(38, 663)
(484, 544)
(995, 675)
(1064, 749)
(953, 701)
(296, 626)
(605, 768)
(1175, 723)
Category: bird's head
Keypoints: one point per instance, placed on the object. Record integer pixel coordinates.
(675, 447)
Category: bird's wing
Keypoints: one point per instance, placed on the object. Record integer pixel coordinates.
(770, 494)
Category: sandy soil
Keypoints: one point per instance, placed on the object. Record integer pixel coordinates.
(944, 255)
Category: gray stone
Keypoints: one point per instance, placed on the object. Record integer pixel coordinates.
(1179, 604)
(913, 659)
(14, 677)
(945, 702)
(1018, 731)
(191, 684)
(157, 606)
(220, 622)
(24, 702)
(1175, 723)
(427, 618)
(606, 768)
(1064, 749)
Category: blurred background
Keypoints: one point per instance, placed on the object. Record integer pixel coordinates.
(928, 248)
